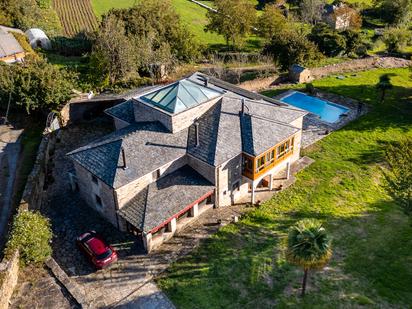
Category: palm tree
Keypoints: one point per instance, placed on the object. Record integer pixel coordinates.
(384, 84)
(309, 246)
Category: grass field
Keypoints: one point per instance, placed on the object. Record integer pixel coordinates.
(243, 265)
(75, 16)
(191, 14)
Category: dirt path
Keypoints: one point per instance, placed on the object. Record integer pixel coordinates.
(360, 65)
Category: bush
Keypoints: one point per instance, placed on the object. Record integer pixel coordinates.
(31, 235)
(396, 39)
(290, 46)
(329, 41)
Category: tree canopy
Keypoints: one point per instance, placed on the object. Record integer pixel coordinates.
(234, 20)
(271, 21)
(35, 85)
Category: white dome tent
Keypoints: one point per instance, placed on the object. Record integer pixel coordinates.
(38, 39)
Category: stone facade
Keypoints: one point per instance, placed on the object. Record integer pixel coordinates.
(97, 194)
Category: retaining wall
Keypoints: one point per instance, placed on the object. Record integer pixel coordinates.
(9, 273)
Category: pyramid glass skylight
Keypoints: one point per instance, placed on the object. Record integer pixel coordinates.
(180, 96)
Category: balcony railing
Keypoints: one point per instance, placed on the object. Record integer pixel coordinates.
(253, 167)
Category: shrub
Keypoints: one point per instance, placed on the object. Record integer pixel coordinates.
(329, 41)
(31, 235)
(396, 38)
(290, 46)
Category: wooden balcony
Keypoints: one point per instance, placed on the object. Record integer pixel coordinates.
(254, 167)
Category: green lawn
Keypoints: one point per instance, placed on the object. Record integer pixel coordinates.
(243, 265)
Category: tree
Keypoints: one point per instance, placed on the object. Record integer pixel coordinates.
(383, 85)
(234, 20)
(399, 176)
(35, 85)
(271, 21)
(113, 55)
(354, 42)
(329, 41)
(396, 38)
(25, 14)
(309, 247)
(290, 47)
(396, 12)
(158, 22)
(31, 235)
(311, 10)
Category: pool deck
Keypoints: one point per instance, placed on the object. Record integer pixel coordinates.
(315, 129)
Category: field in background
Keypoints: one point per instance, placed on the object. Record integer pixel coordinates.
(75, 16)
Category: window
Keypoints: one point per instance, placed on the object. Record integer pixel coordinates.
(285, 148)
(95, 180)
(98, 200)
(247, 164)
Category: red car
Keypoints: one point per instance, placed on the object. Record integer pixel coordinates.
(97, 251)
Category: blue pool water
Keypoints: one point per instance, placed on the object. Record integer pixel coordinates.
(327, 111)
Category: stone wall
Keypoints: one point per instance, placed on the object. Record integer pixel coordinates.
(81, 109)
(89, 190)
(9, 273)
(33, 191)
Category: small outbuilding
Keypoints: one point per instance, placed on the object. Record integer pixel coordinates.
(38, 39)
(299, 74)
(10, 49)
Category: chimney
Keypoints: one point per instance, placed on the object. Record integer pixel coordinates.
(197, 134)
(124, 159)
(206, 81)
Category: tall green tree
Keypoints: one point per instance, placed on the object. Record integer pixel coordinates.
(35, 85)
(113, 57)
(234, 20)
(271, 21)
(309, 246)
(399, 175)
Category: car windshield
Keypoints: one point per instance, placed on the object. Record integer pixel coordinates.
(104, 255)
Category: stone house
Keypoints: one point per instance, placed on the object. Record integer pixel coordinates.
(339, 16)
(299, 74)
(10, 49)
(182, 148)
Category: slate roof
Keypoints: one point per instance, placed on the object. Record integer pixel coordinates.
(8, 45)
(164, 198)
(225, 133)
(123, 111)
(147, 147)
(295, 68)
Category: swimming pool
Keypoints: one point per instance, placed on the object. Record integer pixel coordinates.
(327, 111)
